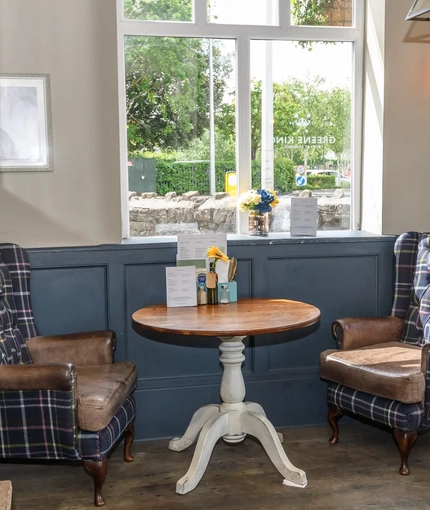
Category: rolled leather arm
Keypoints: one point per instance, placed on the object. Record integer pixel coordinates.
(37, 377)
(90, 348)
(353, 333)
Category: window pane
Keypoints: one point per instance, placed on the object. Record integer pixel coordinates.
(243, 12)
(329, 13)
(181, 135)
(309, 107)
(167, 10)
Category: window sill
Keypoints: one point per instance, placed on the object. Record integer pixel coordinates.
(275, 238)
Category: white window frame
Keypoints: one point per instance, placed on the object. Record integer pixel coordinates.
(243, 34)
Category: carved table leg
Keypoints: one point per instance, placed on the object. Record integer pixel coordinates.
(200, 417)
(97, 470)
(260, 427)
(257, 408)
(405, 441)
(334, 413)
(214, 428)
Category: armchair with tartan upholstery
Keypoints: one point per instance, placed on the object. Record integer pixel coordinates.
(381, 367)
(61, 397)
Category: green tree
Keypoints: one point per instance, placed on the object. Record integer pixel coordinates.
(310, 12)
(301, 109)
(167, 82)
(171, 10)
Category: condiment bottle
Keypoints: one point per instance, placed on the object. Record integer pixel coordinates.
(212, 285)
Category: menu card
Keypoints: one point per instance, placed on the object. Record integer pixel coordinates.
(304, 217)
(181, 286)
(195, 246)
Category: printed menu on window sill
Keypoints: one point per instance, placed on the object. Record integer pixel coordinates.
(304, 216)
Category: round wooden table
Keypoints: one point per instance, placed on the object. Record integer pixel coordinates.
(233, 418)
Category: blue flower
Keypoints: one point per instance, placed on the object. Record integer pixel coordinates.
(266, 199)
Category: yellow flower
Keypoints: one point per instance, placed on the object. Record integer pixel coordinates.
(216, 253)
(276, 200)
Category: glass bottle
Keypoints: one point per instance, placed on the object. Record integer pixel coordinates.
(224, 296)
(212, 285)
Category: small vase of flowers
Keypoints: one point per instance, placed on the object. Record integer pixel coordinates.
(258, 204)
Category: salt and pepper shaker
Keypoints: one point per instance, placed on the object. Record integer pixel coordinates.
(224, 294)
(202, 298)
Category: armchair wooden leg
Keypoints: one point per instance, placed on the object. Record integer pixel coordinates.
(333, 415)
(128, 440)
(97, 470)
(405, 441)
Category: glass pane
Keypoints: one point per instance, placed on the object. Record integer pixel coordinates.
(243, 12)
(181, 135)
(167, 10)
(301, 127)
(328, 13)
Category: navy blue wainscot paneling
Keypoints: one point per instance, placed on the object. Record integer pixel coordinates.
(77, 289)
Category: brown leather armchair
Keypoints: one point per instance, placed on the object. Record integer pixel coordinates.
(61, 397)
(381, 367)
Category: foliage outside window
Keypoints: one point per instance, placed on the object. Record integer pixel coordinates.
(182, 116)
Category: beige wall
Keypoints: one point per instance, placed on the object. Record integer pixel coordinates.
(396, 158)
(74, 41)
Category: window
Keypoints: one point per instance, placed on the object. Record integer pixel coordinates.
(222, 96)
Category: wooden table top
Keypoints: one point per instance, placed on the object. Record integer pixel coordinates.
(246, 317)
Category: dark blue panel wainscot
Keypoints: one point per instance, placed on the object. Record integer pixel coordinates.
(75, 289)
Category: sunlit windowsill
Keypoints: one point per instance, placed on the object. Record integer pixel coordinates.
(273, 238)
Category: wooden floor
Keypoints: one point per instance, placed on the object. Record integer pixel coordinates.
(359, 472)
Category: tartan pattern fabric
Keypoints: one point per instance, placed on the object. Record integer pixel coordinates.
(16, 259)
(95, 445)
(41, 424)
(37, 424)
(412, 303)
(405, 252)
(418, 313)
(13, 349)
(405, 417)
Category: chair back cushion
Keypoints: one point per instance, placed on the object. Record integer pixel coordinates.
(412, 292)
(16, 316)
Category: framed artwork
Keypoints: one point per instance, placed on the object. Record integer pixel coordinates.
(25, 123)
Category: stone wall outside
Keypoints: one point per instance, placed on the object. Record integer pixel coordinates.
(190, 213)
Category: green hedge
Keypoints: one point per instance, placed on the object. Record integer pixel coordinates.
(194, 176)
(320, 182)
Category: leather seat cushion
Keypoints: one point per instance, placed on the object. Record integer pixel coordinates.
(101, 389)
(390, 370)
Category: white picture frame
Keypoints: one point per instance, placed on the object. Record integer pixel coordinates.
(25, 123)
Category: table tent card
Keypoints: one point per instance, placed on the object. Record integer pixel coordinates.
(181, 286)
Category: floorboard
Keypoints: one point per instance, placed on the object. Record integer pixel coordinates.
(361, 471)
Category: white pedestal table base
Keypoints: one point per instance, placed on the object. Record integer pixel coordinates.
(232, 420)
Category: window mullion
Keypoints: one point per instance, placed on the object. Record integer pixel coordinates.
(243, 122)
(200, 12)
(284, 7)
(357, 122)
